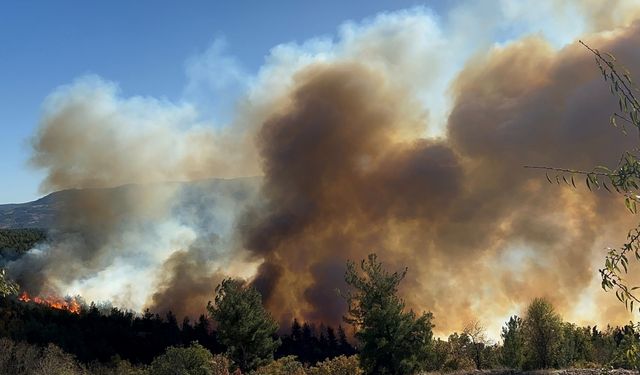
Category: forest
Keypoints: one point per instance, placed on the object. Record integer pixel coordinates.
(14, 242)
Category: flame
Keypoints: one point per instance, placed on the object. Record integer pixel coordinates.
(69, 304)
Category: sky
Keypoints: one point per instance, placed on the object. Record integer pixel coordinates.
(144, 47)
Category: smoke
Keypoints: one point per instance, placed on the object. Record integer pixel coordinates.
(481, 235)
(118, 244)
(92, 137)
(323, 208)
(405, 136)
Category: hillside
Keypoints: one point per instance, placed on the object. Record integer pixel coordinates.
(36, 214)
(41, 213)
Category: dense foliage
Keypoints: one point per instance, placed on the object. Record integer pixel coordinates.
(22, 358)
(310, 344)
(16, 241)
(542, 328)
(393, 341)
(244, 326)
(101, 333)
(195, 360)
(513, 343)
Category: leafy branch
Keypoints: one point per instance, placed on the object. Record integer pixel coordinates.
(617, 265)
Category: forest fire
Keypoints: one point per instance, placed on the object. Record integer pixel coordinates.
(69, 304)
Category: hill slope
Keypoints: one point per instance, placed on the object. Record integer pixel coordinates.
(41, 213)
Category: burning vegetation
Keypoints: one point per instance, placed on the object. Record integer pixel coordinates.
(70, 304)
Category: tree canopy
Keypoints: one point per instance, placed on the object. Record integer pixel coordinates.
(542, 328)
(246, 329)
(393, 341)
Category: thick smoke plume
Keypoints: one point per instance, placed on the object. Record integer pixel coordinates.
(346, 173)
(387, 140)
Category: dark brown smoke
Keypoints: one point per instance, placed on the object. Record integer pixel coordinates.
(343, 177)
(347, 173)
(187, 282)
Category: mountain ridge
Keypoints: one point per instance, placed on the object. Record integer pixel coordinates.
(41, 213)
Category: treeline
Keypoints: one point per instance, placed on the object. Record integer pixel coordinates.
(102, 333)
(540, 340)
(310, 345)
(14, 242)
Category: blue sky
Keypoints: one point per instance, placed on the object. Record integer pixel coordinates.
(141, 45)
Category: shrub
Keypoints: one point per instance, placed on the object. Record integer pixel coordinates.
(220, 365)
(54, 361)
(194, 360)
(117, 366)
(22, 358)
(284, 366)
(341, 365)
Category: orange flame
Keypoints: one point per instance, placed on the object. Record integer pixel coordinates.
(68, 304)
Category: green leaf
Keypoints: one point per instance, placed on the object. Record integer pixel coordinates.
(627, 203)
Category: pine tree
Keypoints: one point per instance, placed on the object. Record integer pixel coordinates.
(513, 343)
(296, 331)
(393, 341)
(332, 342)
(344, 346)
(244, 326)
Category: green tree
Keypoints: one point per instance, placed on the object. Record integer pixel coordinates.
(576, 348)
(513, 343)
(392, 340)
(542, 328)
(194, 360)
(626, 352)
(244, 326)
